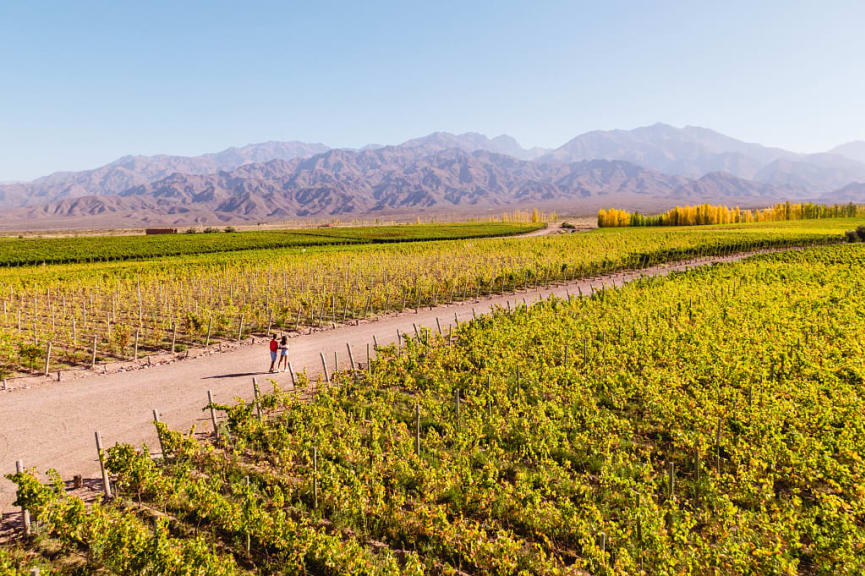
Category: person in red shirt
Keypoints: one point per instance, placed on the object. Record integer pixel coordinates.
(274, 346)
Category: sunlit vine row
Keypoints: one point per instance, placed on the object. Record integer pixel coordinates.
(710, 422)
(119, 311)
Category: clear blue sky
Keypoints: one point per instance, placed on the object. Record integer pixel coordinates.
(83, 82)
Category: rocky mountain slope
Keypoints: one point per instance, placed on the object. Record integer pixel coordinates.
(394, 180)
(647, 168)
(130, 171)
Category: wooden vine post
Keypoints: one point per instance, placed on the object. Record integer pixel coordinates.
(93, 359)
(47, 357)
(25, 513)
(293, 380)
(350, 355)
(159, 434)
(324, 367)
(257, 395)
(315, 477)
(671, 473)
(209, 326)
(106, 483)
(718, 447)
(212, 411)
(457, 406)
(417, 428)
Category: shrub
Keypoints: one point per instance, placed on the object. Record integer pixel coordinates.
(230, 229)
(211, 230)
(860, 232)
(851, 236)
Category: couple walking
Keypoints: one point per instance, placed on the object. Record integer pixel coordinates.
(279, 347)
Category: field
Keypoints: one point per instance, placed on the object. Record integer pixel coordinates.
(710, 422)
(85, 314)
(30, 251)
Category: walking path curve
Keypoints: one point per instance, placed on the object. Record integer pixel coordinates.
(52, 424)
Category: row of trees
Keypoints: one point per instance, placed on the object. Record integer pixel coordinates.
(714, 214)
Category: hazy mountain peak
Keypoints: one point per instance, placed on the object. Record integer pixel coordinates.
(854, 150)
(471, 141)
(691, 151)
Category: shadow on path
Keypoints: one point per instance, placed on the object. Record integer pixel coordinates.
(236, 375)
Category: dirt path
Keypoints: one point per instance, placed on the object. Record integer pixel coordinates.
(52, 425)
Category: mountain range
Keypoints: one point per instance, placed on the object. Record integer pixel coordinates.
(647, 168)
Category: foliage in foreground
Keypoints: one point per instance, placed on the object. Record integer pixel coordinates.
(712, 422)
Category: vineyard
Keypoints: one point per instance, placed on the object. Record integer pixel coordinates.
(709, 422)
(88, 314)
(29, 251)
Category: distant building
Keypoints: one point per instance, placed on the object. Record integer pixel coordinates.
(150, 231)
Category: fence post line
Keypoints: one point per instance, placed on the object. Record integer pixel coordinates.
(137, 336)
(368, 362)
(212, 411)
(106, 483)
(324, 367)
(174, 337)
(25, 513)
